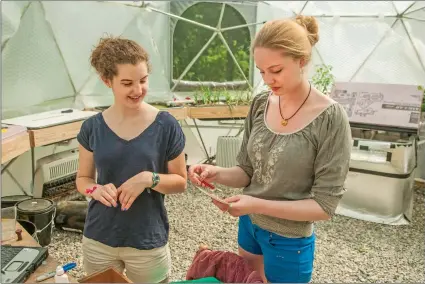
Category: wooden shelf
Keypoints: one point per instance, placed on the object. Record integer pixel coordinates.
(180, 113)
(213, 112)
(14, 146)
(53, 134)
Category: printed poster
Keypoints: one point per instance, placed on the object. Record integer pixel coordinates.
(380, 104)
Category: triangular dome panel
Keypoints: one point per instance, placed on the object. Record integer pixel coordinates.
(76, 38)
(418, 5)
(417, 15)
(11, 12)
(33, 69)
(417, 35)
(366, 8)
(294, 6)
(403, 67)
(345, 43)
(401, 6)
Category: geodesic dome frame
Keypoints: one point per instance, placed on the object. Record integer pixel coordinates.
(46, 45)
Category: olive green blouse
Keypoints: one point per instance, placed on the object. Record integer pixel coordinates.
(310, 163)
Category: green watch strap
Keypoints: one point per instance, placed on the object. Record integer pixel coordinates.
(155, 180)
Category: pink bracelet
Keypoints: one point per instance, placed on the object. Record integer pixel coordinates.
(90, 191)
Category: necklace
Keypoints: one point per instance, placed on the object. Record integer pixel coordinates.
(284, 121)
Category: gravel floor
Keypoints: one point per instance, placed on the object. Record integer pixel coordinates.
(347, 250)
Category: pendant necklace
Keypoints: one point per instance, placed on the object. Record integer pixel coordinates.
(284, 121)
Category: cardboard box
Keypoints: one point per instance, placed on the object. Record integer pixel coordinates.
(108, 275)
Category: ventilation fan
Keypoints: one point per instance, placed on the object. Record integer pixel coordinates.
(55, 176)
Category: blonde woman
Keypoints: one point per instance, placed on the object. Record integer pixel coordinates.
(138, 154)
(293, 161)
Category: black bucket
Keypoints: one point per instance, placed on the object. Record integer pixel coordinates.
(41, 212)
(10, 201)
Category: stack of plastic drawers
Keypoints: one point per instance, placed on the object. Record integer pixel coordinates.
(381, 179)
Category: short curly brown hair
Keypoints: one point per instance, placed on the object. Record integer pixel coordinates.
(111, 51)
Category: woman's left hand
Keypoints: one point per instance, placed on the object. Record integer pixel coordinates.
(239, 205)
(132, 188)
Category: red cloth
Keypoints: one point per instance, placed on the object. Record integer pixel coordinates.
(227, 267)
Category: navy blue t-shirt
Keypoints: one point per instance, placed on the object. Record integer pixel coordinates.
(145, 225)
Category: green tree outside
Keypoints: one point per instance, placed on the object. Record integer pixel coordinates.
(215, 64)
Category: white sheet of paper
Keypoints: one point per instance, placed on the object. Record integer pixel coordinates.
(212, 195)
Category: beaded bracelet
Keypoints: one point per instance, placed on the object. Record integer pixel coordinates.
(90, 191)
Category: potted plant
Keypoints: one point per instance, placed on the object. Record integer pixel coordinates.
(323, 79)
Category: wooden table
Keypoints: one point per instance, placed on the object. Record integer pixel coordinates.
(50, 263)
(54, 134)
(51, 135)
(14, 146)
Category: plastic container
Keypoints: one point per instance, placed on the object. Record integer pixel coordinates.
(61, 276)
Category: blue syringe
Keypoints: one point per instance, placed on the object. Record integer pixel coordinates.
(48, 275)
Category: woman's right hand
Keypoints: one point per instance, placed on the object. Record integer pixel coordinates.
(106, 194)
(201, 172)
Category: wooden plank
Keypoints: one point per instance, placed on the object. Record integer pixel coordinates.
(49, 135)
(50, 262)
(218, 112)
(180, 113)
(14, 146)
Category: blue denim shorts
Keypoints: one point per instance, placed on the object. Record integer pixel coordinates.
(286, 260)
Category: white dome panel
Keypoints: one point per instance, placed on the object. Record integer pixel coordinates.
(393, 62)
(345, 43)
(77, 29)
(361, 8)
(33, 69)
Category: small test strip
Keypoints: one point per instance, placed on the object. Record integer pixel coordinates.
(212, 195)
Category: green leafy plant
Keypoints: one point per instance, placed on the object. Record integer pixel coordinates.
(196, 97)
(216, 97)
(422, 88)
(323, 78)
(209, 97)
(227, 97)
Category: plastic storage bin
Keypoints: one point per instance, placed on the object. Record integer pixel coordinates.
(381, 178)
